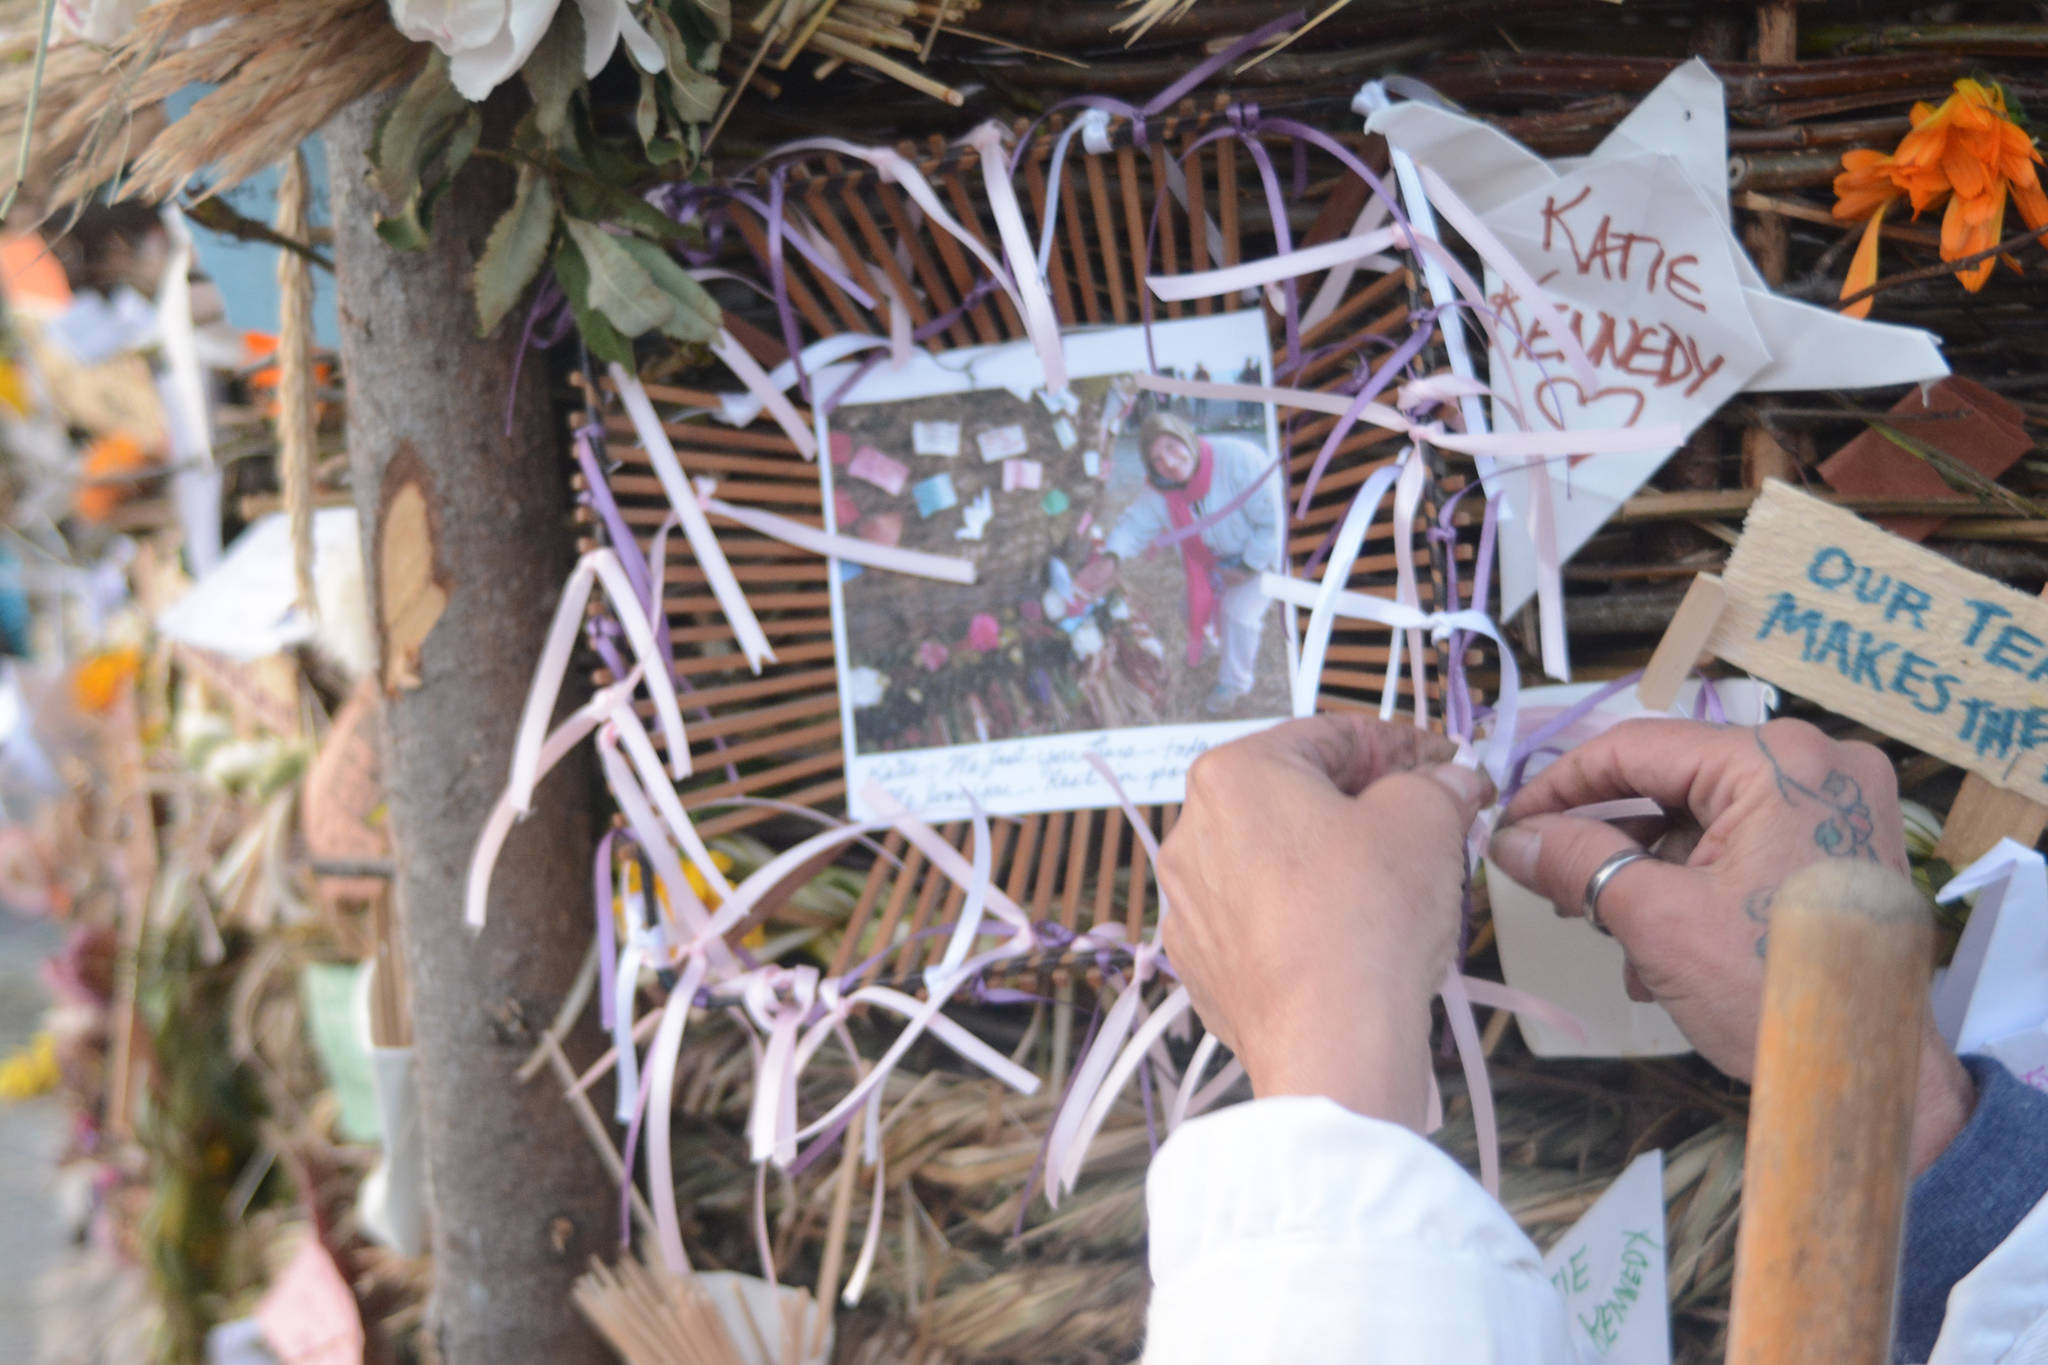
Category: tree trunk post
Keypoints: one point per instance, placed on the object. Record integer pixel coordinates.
(466, 545)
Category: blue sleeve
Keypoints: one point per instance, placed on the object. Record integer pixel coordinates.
(1969, 1200)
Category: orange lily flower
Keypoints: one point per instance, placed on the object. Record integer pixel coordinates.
(96, 683)
(1966, 152)
(101, 488)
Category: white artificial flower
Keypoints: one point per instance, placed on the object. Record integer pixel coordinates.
(1086, 640)
(99, 21)
(489, 40)
(865, 686)
(605, 22)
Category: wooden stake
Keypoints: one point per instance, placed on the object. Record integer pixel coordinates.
(1685, 640)
(1983, 814)
(1830, 1124)
(1777, 42)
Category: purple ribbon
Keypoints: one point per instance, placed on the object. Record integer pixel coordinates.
(607, 932)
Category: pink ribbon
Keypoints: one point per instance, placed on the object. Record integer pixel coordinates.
(599, 567)
(1441, 625)
(1040, 322)
(1510, 269)
(1407, 499)
(661, 1062)
(1267, 270)
(852, 549)
(1337, 283)
(725, 587)
(1621, 441)
(1106, 1066)
(490, 840)
(625, 723)
(757, 383)
(1315, 636)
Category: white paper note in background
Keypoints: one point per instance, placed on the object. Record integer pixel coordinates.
(1566, 961)
(245, 606)
(1632, 242)
(935, 438)
(1610, 1269)
(1996, 985)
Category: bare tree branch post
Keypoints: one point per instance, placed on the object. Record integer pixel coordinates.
(466, 543)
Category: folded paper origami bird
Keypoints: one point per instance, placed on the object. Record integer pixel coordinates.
(1637, 241)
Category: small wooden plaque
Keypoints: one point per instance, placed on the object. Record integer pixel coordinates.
(1956, 664)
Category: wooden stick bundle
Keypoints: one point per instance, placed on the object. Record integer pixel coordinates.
(651, 1317)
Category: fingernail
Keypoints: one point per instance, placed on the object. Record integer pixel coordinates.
(1465, 786)
(1515, 849)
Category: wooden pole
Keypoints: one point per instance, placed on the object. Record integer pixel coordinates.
(1777, 42)
(1830, 1124)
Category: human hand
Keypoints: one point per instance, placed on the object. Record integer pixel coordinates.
(1768, 801)
(1235, 576)
(1314, 882)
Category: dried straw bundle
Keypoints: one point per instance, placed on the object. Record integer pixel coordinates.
(282, 68)
(652, 1318)
(863, 32)
(955, 1279)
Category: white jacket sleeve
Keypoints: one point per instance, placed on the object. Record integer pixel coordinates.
(1293, 1230)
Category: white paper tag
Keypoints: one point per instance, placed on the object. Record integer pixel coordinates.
(1997, 982)
(2025, 1055)
(1610, 1269)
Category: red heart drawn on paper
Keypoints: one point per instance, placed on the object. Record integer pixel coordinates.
(1561, 396)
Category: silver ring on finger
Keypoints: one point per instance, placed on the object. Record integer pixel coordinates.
(1597, 883)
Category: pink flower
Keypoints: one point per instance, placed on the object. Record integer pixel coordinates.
(933, 655)
(983, 633)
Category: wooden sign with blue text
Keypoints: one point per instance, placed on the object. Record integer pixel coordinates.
(1824, 604)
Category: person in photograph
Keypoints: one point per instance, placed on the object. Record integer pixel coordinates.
(1204, 498)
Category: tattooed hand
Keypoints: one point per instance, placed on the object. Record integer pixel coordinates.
(1768, 801)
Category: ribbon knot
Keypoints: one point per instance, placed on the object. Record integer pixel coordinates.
(1243, 117)
(1094, 126)
(1053, 936)
(771, 993)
